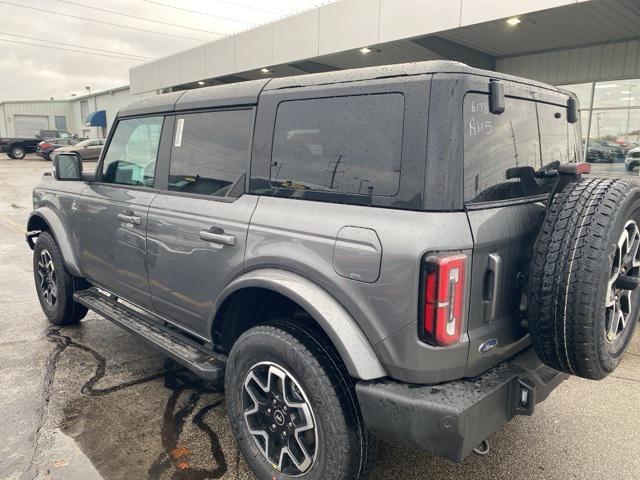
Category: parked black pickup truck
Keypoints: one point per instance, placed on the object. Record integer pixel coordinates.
(17, 148)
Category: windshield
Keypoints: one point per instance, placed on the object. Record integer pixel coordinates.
(505, 155)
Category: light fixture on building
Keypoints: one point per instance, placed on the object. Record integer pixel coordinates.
(514, 21)
(200, 82)
(365, 50)
(265, 70)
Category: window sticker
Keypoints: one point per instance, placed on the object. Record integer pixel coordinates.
(137, 174)
(179, 128)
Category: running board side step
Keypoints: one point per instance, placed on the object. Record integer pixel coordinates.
(206, 364)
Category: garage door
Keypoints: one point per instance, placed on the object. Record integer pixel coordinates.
(26, 125)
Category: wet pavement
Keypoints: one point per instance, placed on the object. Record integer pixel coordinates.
(91, 402)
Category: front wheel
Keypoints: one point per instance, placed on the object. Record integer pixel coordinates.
(293, 408)
(54, 284)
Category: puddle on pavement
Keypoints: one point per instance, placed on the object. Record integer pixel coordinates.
(168, 425)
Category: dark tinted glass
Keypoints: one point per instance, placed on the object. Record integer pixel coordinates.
(132, 152)
(502, 153)
(347, 145)
(210, 153)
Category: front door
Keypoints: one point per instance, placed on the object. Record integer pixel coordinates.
(197, 228)
(113, 211)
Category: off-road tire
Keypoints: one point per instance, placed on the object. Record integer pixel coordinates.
(570, 270)
(17, 153)
(64, 311)
(345, 450)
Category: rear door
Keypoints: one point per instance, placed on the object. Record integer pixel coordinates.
(504, 201)
(198, 223)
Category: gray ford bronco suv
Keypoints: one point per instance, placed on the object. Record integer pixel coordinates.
(408, 253)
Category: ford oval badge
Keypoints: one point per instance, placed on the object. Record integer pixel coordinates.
(488, 345)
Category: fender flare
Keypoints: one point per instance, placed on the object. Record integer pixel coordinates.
(352, 345)
(61, 235)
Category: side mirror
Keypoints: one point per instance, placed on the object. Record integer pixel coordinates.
(67, 166)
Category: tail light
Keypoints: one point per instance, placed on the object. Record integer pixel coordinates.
(44, 145)
(442, 299)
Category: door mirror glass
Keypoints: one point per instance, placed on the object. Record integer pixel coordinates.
(67, 167)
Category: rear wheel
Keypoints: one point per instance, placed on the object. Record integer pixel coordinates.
(17, 153)
(54, 284)
(583, 295)
(293, 408)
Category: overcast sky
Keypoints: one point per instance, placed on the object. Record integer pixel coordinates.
(37, 72)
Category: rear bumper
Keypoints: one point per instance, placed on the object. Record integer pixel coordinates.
(451, 419)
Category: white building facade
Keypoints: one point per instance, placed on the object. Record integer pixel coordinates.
(21, 119)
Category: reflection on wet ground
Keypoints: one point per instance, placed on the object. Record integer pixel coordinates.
(158, 425)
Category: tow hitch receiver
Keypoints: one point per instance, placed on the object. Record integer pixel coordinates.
(524, 397)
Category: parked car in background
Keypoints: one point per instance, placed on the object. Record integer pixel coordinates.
(17, 148)
(45, 134)
(46, 147)
(632, 160)
(89, 149)
(600, 151)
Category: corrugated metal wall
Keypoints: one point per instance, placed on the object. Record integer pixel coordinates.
(48, 109)
(612, 61)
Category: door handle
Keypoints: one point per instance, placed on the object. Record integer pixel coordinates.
(217, 235)
(492, 287)
(129, 217)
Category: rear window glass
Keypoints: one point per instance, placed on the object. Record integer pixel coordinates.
(349, 145)
(502, 153)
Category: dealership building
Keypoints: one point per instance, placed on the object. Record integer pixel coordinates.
(591, 47)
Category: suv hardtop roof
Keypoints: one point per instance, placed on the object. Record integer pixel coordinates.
(246, 93)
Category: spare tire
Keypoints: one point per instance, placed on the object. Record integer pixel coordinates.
(582, 302)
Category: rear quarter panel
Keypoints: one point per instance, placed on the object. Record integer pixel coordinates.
(300, 236)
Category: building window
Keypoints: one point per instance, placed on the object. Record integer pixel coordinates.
(84, 110)
(610, 122)
(60, 122)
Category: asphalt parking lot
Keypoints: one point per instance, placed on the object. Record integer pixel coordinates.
(90, 402)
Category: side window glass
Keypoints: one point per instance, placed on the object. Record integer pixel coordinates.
(348, 145)
(210, 153)
(132, 153)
